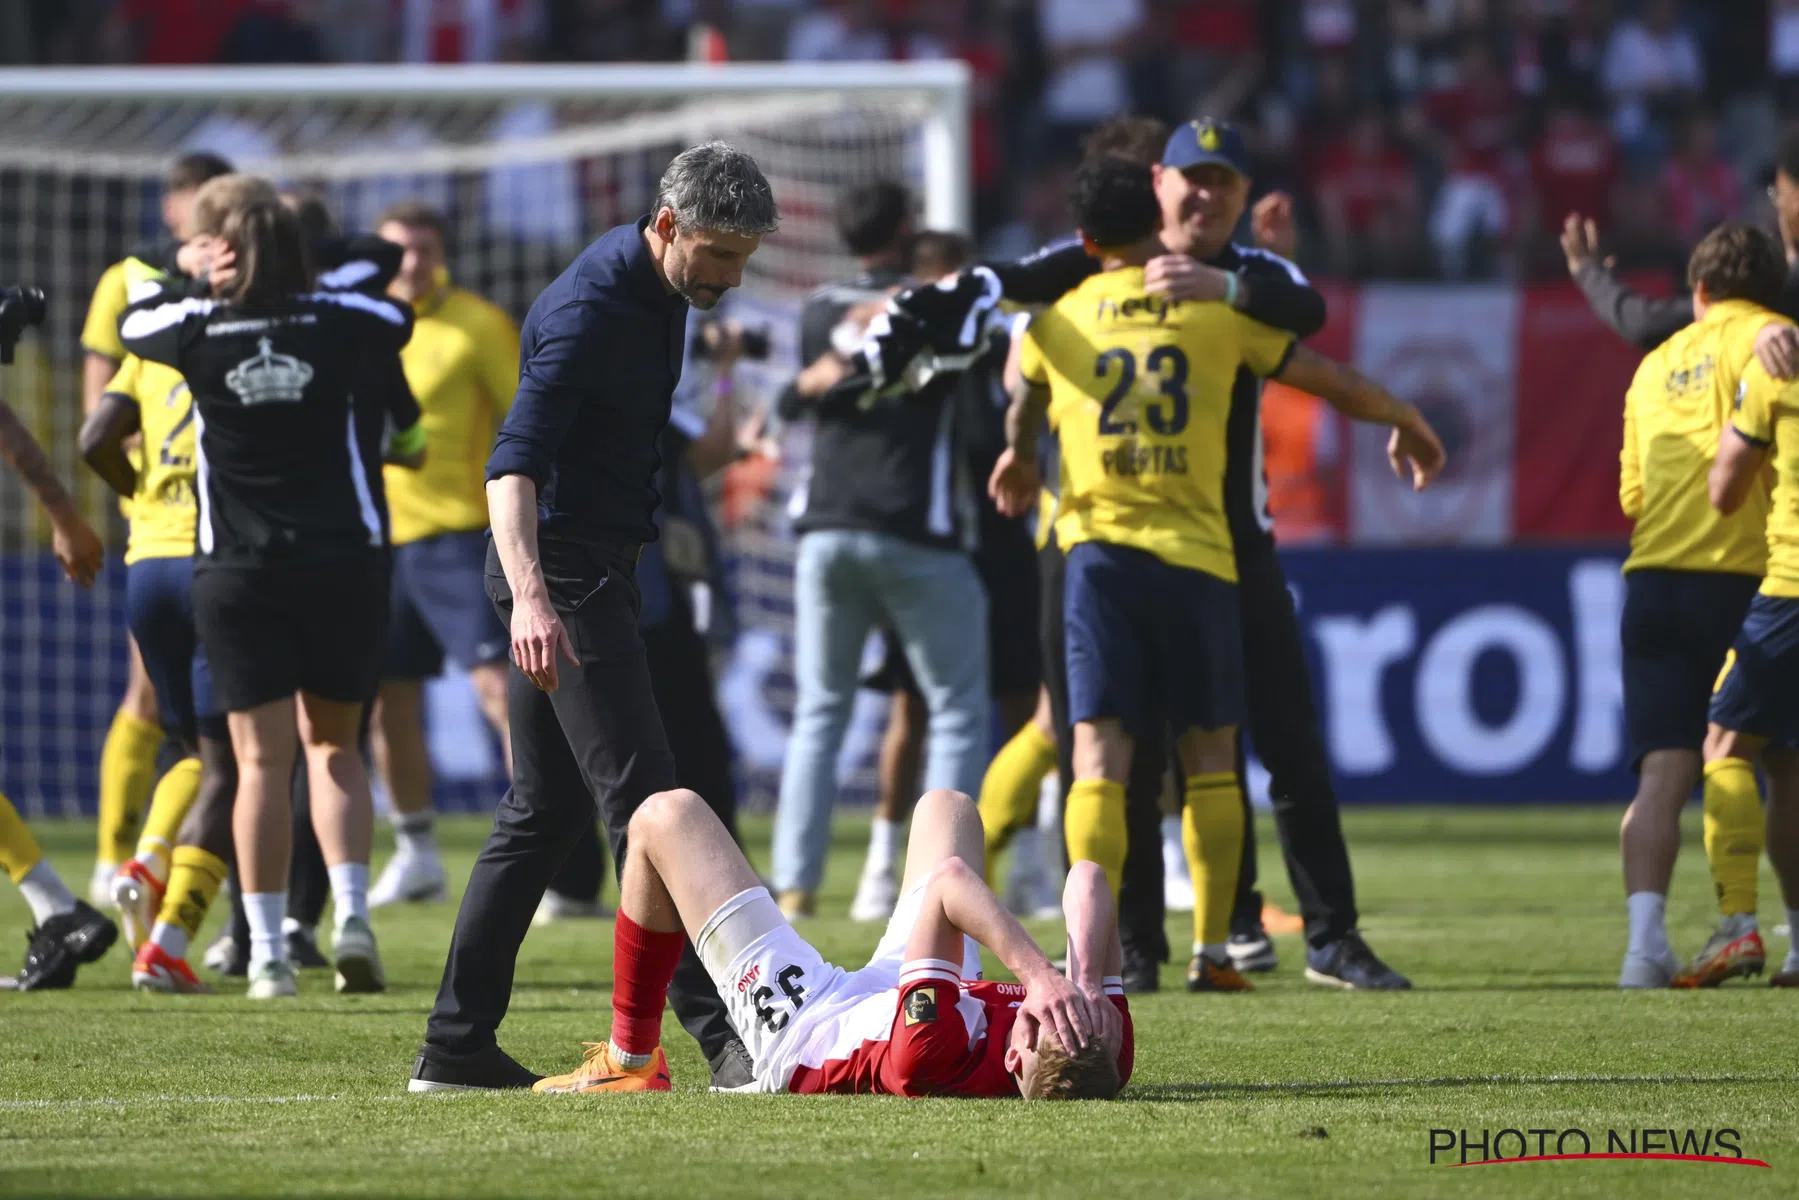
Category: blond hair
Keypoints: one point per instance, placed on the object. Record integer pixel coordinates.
(1087, 1074)
(221, 194)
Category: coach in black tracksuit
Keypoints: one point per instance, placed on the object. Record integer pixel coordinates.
(1283, 720)
(572, 495)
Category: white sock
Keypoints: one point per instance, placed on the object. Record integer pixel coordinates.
(627, 1060)
(349, 892)
(883, 845)
(1648, 927)
(45, 891)
(265, 910)
(171, 938)
(156, 858)
(416, 833)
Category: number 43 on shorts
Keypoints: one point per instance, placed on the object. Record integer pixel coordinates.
(788, 979)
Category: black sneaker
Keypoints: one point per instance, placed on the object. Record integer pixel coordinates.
(1252, 951)
(489, 1069)
(1142, 973)
(733, 1070)
(1348, 963)
(303, 949)
(61, 944)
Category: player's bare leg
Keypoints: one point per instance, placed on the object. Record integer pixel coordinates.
(198, 868)
(902, 752)
(1649, 841)
(343, 816)
(265, 743)
(681, 867)
(1212, 835)
(397, 737)
(1733, 847)
(1782, 767)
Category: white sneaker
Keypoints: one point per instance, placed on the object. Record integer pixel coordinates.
(273, 980)
(99, 885)
(1177, 882)
(410, 879)
(556, 907)
(875, 895)
(218, 956)
(1642, 971)
(357, 961)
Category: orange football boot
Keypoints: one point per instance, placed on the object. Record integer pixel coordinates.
(1204, 975)
(1727, 955)
(156, 970)
(138, 895)
(599, 1073)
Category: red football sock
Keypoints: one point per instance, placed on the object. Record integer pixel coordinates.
(643, 962)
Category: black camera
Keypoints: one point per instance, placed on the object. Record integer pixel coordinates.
(753, 341)
(19, 307)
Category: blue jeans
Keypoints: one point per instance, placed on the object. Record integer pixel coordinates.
(847, 582)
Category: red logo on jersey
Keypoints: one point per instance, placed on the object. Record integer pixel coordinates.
(753, 974)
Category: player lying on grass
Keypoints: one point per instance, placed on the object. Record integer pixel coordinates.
(915, 1021)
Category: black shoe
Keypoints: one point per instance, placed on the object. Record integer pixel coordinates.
(733, 1070)
(1348, 963)
(61, 944)
(303, 949)
(489, 1069)
(1252, 951)
(1142, 973)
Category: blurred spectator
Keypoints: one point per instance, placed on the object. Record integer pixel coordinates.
(274, 31)
(469, 31)
(1367, 196)
(1700, 186)
(1042, 217)
(1425, 36)
(612, 30)
(1199, 56)
(952, 29)
(1328, 25)
(1783, 52)
(1642, 240)
(1087, 43)
(1473, 124)
(1574, 168)
(170, 32)
(840, 31)
(1652, 67)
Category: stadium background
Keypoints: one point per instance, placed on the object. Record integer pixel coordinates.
(1464, 642)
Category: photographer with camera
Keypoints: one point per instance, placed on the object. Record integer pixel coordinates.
(69, 931)
(886, 521)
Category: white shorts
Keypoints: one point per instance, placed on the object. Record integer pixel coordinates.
(780, 994)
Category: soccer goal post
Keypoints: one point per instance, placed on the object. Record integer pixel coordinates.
(528, 163)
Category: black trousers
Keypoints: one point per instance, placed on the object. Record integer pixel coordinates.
(1283, 721)
(681, 677)
(596, 740)
(1141, 914)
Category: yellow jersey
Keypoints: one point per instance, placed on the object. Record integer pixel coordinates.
(163, 508)
(1677, 406)
(100, 332)
(462, 363)
(1768, 414)
(1140, 392)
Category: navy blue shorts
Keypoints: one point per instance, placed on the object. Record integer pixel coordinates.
(1758, 692)
(440, 608)
(1676, 629)
(159, 607)
(1147, 641)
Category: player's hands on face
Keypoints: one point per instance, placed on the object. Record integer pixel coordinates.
(1108, 1022)
(1183, 277)
(196, 255)
(1580, 243)
(1777, 347)
(1272, 223)
(1413, 444)
(1014, 483)
(538, 641)
(1052, 1002)
(78, 549)
(223, 272)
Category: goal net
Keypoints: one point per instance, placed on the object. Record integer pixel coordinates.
(529, 164)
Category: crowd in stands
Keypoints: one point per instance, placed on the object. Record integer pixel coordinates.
(1422, 138)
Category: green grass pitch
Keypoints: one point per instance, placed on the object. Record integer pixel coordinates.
(1509, 921)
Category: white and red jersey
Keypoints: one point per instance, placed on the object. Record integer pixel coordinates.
(934, 1035)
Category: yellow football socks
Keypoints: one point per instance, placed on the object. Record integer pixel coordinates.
(1734, 833)
(18, 849)
(127, 772)
(1212, 832)
(194, 883)
(174, 795)
(1094, 827)
(1009, 789)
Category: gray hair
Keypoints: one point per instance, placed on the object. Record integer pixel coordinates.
(717, 186)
